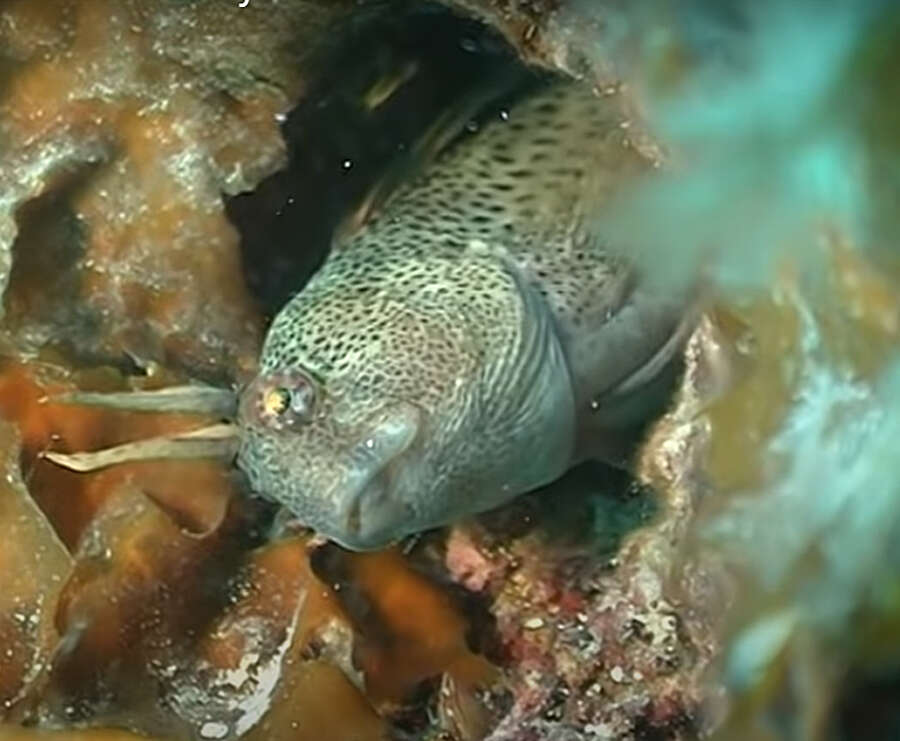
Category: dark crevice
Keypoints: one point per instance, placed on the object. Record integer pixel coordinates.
(44, 284)
(869, 709)
(339, 146)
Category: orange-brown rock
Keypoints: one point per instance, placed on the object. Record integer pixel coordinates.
(123, 123)
(34, 566)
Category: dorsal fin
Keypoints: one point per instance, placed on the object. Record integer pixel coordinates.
(536, 175)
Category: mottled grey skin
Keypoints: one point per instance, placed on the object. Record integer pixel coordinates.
(469, 344)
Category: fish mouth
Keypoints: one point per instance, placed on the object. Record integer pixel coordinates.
(373, 512)
(371, 531)
(373, 517)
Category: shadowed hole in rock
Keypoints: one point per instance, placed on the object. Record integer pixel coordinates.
(868, 708)
(45, 255)
(420, 61)
(591, 508)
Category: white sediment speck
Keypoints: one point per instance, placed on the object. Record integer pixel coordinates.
(214, 730)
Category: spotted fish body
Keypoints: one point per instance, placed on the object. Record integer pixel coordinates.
(462, 347)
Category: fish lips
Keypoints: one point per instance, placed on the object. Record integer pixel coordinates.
(372, 510)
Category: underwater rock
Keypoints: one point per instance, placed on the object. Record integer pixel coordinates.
(609, 642)
(276, 664)
(815, 477)
(8, 733)
(139, 589)
(123, 124)
(35, 566)
(529, 26)
(191, 636)
(70, 500)
(408, 629)
(123, 127)
(783, 122)
(576, 37)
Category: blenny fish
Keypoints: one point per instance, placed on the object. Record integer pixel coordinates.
(471, 341)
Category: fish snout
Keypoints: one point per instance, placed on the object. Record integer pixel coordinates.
(373, 506)
(371, 520)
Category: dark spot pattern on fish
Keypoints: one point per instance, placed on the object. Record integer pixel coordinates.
(461, 337)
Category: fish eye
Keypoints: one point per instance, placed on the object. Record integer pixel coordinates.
(283, 399)
(276, 401)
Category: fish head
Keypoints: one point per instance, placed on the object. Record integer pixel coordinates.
(344, 475)
(400, 413)
(351, 402)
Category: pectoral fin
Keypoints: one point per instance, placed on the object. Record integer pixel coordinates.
(612, 424)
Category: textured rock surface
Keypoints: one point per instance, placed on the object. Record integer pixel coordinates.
(609, 642)
(122, 124)
(35, 565)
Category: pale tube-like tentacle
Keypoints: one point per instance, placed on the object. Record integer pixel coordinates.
(191, 399)
(214, 441)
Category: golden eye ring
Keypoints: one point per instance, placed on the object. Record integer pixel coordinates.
(276, 401)
(280, 400)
